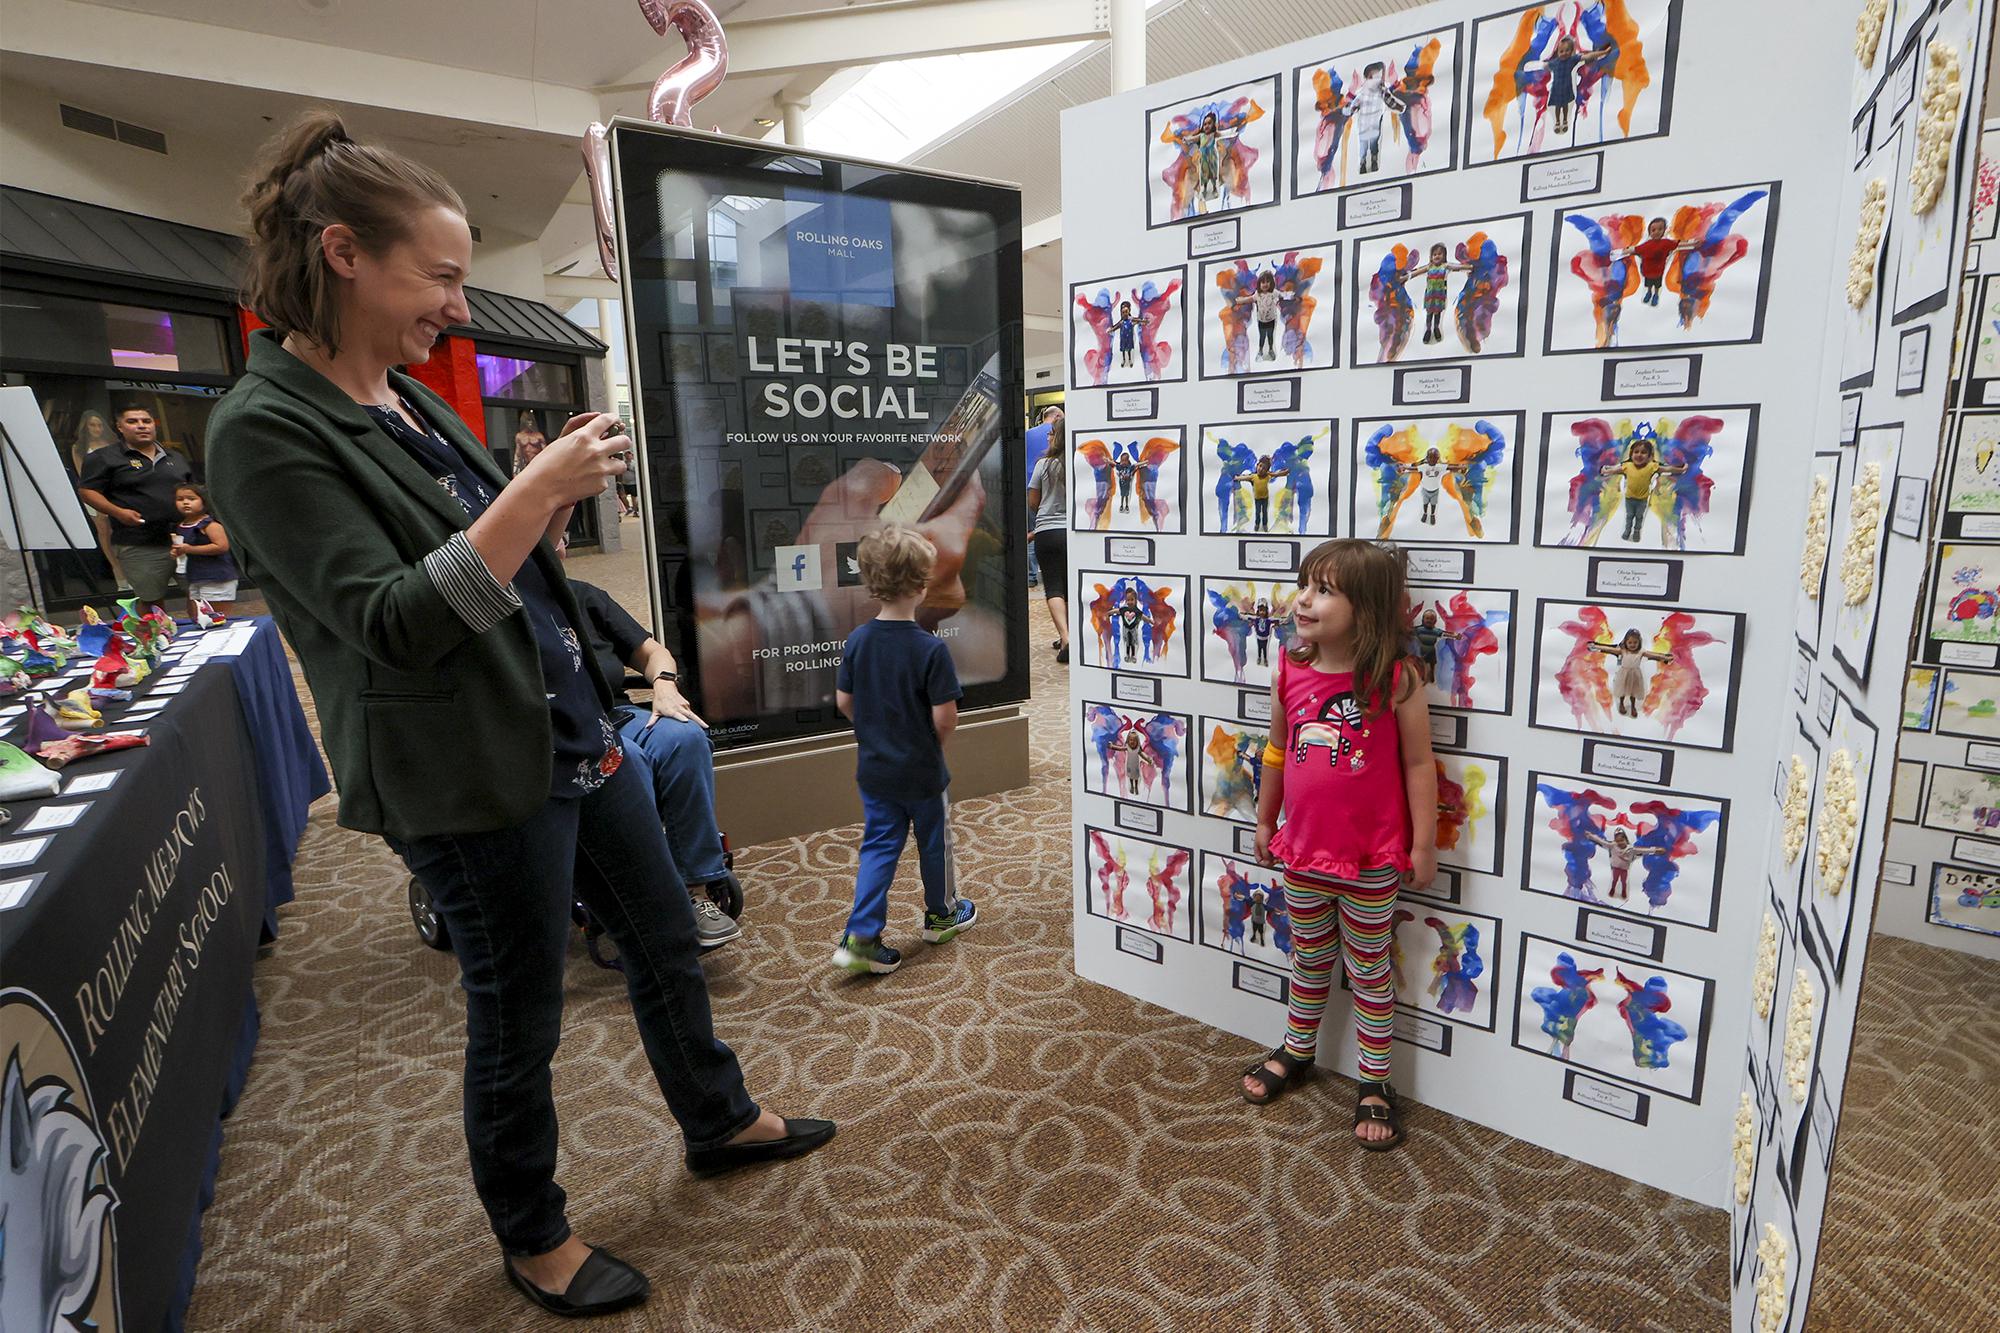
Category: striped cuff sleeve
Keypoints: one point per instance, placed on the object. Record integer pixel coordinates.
(465, 582)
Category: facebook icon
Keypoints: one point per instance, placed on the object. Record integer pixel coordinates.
(796, 568)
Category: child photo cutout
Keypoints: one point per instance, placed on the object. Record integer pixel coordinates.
(1446, 478)
(1135, 621)
(1213, 154)
(1673, 270)
(1463, 642)
(1243, 910)
(1446, 292)
(1249, 627)
(1674, 483)
(1377, 115)
(1642, 672)
(1130, 329)
(1267, 478)
(1128, 479)
(1268, 314)
(1581, 74)
(1136, 754)
(1138, 882)
(1644, 851)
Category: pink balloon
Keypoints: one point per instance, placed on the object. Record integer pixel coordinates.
(691, 78)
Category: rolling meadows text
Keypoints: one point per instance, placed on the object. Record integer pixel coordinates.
(819, 656)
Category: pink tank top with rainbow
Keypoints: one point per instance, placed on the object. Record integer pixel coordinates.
(1345, 806)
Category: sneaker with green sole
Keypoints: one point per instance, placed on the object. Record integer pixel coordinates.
(862, 957)
(942, 926)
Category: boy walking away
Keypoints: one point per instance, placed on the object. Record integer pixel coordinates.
(201, 548)
(897, 685)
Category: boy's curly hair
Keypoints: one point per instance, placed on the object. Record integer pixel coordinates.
(896, 560)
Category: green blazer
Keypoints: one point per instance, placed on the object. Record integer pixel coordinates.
(430, 727)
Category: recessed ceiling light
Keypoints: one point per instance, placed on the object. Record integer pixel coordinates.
(766, 122)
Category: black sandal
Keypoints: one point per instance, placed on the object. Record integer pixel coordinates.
(1364, 1112)
(1272, 1082)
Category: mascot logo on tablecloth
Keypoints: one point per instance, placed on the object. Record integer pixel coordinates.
(58, 1238)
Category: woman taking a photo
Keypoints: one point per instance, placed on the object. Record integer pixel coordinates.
(1048, 501)
(464, 721)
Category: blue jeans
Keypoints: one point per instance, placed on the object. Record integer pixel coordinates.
(889, 821)
(506, 898)
(681, 761)
(1034, 565)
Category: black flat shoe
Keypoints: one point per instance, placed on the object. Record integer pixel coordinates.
(801, 1136)
(603, 1284)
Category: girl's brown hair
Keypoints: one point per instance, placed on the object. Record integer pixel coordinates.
(1372, 576)
(312, 176)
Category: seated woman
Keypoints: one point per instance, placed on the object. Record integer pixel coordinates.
(674, 745)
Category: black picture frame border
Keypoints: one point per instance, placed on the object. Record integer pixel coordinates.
(1460, 77)
(1330, 502)
(1514, 465)
(1774, 190)
(1728, 744)
(1335, 250)
(1520, 271)
(1753, 433)
(1070, 342)
(1276, 79)
(1534, 818)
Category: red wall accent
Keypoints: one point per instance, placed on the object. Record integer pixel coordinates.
(452, 373)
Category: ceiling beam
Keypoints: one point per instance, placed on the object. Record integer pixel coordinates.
(1048, 231)
(866, 34)
(132, 39)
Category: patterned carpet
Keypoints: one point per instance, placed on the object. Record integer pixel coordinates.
(1019, 1149)
(1916, 1181)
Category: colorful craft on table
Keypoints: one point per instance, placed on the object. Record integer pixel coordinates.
(1292, 279)
(1211, 168)
(1557, 65)
(1406, 460)
(1644, 1010)
(1662, 461)
(1625, 836)
(75, 712)
(1284, 476)
(1687, 254)
(13, 676)
(1675, 694)
(1565, 1003)
(1456, 968)
(1472, 308)
(1250, 908)
(1448, 639)
(48, 740)
(1134, 317)
(1134, 622)
(1143, 751)
(1343, 102)
(1242, 616)
(1132, 470)
(21, 778)
(1234, 773)
(1460, 806)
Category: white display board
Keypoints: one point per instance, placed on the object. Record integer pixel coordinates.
(1941, 882)
(1609, 1024)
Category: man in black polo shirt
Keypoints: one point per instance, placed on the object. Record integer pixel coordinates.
(673, 744)
(133, 483)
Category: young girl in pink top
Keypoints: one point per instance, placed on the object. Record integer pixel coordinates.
(1349, 763)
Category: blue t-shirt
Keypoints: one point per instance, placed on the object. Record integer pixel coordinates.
(1038, 444)
(896, 670)
(586, 745)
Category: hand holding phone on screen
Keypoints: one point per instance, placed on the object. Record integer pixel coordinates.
(957, 449)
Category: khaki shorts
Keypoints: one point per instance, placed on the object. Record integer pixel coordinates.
(149, 569)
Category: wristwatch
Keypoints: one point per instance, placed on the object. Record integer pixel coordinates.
(669, 676)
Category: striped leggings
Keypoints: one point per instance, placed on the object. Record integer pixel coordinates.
(1350, 918)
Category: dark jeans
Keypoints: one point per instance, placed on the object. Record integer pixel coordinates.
(506, 898)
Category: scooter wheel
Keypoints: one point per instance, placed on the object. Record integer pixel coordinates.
(727, 893)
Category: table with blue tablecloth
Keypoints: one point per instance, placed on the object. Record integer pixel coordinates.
(132, 906)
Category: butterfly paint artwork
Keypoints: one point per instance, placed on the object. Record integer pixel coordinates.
(1551, 78)
(1670, 483)
(1643, 672)
(1127, 480)
(1627, 1019)
(1138, 882)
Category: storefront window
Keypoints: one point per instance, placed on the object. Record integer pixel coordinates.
(527, 402)
(78, 332)
(79, 410)
(520, 379)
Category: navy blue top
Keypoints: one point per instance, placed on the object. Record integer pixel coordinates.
(586, 744)
(896, 670)
(206, 568)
